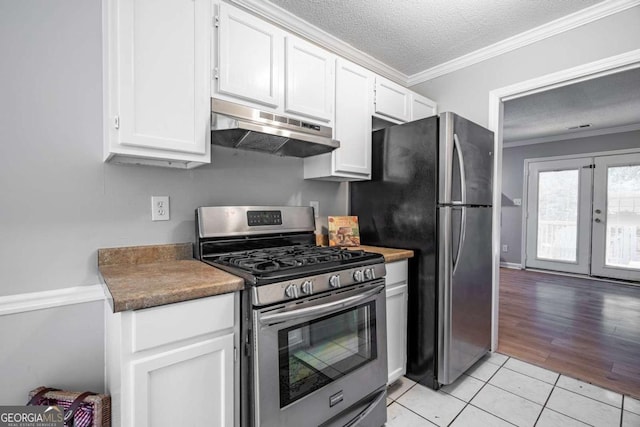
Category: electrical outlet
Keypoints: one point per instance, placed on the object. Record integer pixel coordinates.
(517, 202)
(316, 207)
(505, 248)
(160, 208)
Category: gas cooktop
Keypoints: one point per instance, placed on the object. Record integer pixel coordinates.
(286, 257)
(268, 244)
(268, 265)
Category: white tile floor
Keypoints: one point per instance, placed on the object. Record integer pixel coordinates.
(501, 391)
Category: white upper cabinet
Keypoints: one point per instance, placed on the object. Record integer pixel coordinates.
(422, 107)
(392, 100)
(354, 101)
(249, 58)
(309, 80)
(398, 104)
(157, 82)
(259, 65)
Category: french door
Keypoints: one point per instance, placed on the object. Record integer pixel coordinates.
(616, 217)
(559, 215)
(583, 216)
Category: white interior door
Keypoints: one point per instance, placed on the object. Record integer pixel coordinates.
(559, 215)
(616, 217)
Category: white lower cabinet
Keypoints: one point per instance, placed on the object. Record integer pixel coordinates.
(173, 365)
(397, 297)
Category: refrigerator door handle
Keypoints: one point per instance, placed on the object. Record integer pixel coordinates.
(444, 291)
(463, 178)
(461, 237)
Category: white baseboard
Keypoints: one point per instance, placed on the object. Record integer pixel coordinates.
(512, 265)
(20, 303)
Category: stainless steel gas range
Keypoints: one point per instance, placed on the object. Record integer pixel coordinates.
(313, 326)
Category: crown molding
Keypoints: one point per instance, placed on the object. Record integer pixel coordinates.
(294, 24)
(572, 135)
(566, 23)
(21, 303)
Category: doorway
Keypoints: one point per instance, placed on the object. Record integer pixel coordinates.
(582, 215)
(497, 98)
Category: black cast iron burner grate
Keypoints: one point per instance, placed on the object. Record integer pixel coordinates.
(286, 258)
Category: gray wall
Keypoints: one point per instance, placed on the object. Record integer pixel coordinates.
(60, 202)
(513, 169)
(466, 91)
(60, 347)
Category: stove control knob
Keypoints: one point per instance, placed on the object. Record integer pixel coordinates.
(334, 281)
(369, 274)
(358, 276)
(307, 287)
(291, 291)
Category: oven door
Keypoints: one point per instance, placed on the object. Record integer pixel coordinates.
(318, 359)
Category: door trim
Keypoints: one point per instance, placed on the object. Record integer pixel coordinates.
(497, 97)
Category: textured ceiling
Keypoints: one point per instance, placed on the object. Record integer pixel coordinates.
(604, 102)
(415, 35)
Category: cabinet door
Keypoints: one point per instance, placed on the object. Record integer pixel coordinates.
(187, 386)
(309, 80)
(249, 57)
(161, 77)
(397, 294)
(392, 100)
(354, 90)
(396, 331)
(421, 107)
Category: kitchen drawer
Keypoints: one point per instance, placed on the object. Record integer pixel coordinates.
(157, 326)
(396, 272)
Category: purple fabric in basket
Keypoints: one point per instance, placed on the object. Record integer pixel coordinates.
(83, 416)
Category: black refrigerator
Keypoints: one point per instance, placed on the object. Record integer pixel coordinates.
(431, 191)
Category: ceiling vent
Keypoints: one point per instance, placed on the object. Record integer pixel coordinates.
(588, 125)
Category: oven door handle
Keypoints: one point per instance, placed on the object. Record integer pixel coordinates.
(270, 319)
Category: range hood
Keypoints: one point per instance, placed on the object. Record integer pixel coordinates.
(246, 128)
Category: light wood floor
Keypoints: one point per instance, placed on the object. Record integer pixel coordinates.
(586, 329)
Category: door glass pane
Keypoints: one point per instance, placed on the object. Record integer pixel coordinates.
(558, 215)
(623, 217)
(315, 353)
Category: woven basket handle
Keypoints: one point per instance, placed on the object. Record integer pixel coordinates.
(75, 405)
(35, 400)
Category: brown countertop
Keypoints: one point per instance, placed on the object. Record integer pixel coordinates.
(147, 276)
(390, 254)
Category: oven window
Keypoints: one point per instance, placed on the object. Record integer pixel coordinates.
(317, 352)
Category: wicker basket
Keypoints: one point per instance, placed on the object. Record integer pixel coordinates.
(99, 403)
